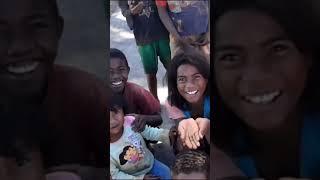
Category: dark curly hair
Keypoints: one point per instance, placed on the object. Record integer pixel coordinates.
(191, 161)
(118, 102)
(193, 58)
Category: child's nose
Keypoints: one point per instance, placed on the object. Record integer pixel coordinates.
(189, 85)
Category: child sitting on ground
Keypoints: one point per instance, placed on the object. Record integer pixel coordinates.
(129, 156)
(191, 164)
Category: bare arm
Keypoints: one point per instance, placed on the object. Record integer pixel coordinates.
(167, 22)
(124, 8)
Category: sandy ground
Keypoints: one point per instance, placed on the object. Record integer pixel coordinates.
(121, 37)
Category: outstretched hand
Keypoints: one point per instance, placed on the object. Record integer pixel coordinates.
(189, 133)
(204, 126)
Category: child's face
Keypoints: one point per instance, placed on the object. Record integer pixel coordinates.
(190, 83)
(29, 39)
(116, 122)
(260, 73)
(193, 175)
(118, 74)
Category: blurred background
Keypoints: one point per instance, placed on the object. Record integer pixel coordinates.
(85, 40)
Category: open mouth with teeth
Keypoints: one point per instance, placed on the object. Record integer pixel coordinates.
(22, 68)
(192, 92)
(117, 83)
(265, 98)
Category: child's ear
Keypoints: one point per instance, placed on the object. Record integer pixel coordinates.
(128, 69)
(60, 26)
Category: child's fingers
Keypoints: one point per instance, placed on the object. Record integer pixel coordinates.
(201, 135)
(188, 141)
(182, 133)
(194, 144)
(196, 141)
(197, 136)
(192, 141)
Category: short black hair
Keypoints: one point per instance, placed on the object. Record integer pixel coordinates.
(122, 154)
(116, 53)
(191, 161)
(193, 58)
(117, 101)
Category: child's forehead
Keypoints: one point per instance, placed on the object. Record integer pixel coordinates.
(15, 10)
(117, 61)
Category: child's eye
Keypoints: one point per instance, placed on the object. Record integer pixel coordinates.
(181, 79)
(39, 24)
(197, 77)
(123, 69)
(280, 48)
(229, 58)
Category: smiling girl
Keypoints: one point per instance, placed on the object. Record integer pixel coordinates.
(188, 76)
(265, 69)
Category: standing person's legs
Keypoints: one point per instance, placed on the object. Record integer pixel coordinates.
(160, 169)
(150, 64)
(164, 52)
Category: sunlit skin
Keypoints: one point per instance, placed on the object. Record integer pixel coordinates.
(191, 85)
(119, 72)
(116, 125)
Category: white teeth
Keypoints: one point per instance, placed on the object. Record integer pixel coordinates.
(263, 99)
(117, 83)
(25, 68)
(192, 92)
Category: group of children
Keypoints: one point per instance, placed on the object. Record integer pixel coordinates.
(135, 115)
(266, 101)
(170, 30)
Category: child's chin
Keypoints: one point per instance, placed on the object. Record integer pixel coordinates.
(117, 89)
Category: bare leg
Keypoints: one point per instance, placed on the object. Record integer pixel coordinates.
(152, 84)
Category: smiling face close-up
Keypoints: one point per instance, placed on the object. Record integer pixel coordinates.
(29, 33)
(119, 72)
(260, 73)
(190, 83)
